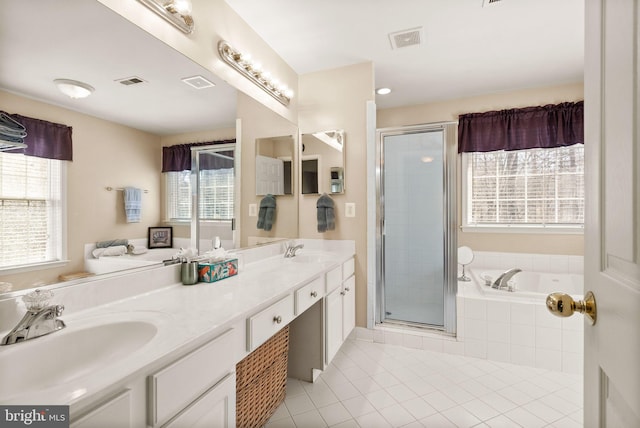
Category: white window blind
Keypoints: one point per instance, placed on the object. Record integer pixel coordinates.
(216, 195)
(536, 187)
(30, 210)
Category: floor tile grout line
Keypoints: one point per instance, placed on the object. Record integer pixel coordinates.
(568, 384)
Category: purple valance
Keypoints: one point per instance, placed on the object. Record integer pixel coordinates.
(45, 139)
(178, 157)
(552, 125)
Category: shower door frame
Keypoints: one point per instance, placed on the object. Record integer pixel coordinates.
(450, 219)
(195, 191)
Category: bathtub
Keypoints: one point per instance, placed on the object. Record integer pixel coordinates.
(515, 326)
(526, 285)
(128, 261)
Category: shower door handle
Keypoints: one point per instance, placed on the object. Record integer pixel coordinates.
(563, 305)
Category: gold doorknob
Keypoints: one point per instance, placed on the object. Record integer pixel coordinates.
(563, 305)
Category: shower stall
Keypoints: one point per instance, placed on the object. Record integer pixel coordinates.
(416, 226)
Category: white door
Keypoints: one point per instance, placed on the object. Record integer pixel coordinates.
(612, 230)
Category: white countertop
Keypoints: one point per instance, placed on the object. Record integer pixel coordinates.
(184, 315)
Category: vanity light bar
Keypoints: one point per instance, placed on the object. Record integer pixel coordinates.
(175, 12)
(254, 72)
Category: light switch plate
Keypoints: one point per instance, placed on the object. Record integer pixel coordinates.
(253, 210)
(349, 209)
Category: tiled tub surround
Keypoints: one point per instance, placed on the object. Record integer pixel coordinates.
(502, 327)
(517, 327)
(188, 319)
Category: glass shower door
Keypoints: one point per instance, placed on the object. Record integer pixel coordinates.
(413, 206)
(213, 194)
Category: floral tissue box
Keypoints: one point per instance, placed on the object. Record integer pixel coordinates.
(215, 271)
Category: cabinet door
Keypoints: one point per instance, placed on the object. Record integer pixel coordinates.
(216, 408)
(114, 413)
(177, 385)
(333, 313)
(348, 307)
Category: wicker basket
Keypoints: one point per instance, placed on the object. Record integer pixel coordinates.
(261, 381)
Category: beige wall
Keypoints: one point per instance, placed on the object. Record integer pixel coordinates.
(449, 111)
(336, 99)
(104, 154)
(257, 122)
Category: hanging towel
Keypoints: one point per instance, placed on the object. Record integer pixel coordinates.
(11, 132)
(132, 204)
(326, 214)
(267, 213)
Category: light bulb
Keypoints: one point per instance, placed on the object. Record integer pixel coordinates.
(183, 7)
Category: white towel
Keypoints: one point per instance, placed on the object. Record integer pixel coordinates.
(118, 250)
(132, 204)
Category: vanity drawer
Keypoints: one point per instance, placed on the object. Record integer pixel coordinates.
(309, 294)
(269, 321)
(348, 268)
(334, 279)
(177, 385)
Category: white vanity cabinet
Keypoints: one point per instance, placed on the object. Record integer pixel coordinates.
(215, 408)
(340, 307)
(197, 387)
(115, 412)
(266, 323)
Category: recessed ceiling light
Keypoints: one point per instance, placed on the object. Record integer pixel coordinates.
(73, 88)
(383, 91)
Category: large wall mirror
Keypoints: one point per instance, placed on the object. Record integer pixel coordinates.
(322, 162)
(106, 154)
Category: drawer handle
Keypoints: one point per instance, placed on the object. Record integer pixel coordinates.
(346, 288)
(342, 293)
(314, 294)
(277, 319)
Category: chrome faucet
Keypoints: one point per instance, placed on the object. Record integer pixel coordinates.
(503, 279)
(39, 319)
(290, 251)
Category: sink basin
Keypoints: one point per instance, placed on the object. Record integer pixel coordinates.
(322, 259)
(68, 354)
(309, 258)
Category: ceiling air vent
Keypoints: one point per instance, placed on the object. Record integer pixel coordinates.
(404, 38)
(486, 3)
(198, 82)
(128, 81)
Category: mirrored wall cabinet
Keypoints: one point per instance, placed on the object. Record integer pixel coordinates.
(274, 165)
(322, 162)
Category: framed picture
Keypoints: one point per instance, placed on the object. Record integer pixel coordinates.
(160, 237)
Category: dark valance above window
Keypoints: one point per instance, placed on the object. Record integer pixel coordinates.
(45, 139)
(553, 125)
(178, 157)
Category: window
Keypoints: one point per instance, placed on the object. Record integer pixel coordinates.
(216, 195)
(31, 210)
(525, 188)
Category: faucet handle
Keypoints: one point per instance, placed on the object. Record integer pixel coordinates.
(37, 300)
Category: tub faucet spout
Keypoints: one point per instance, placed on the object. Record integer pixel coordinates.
(503, 279)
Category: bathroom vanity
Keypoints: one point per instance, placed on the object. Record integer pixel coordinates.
(166, 356)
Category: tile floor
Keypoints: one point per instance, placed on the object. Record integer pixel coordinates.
(371, 385)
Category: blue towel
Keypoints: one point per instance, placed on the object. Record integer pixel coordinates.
(267, 213)
(132, 204)
(325, 214)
